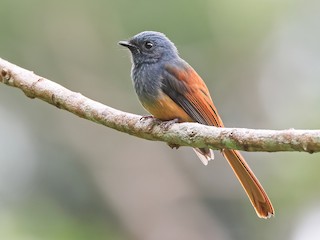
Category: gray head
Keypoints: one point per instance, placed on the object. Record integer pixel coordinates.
(150, 47)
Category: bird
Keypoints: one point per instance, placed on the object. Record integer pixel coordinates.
(171, 90)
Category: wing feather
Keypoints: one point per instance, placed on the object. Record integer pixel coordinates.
(185, 87)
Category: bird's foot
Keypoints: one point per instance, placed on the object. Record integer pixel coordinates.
(147, 117)
(167, 124)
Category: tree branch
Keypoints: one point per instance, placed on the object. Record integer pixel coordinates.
(183, 134)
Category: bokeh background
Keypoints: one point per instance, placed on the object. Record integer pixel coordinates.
(62, 177)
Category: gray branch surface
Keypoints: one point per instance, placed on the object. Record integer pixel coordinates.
(180, 134)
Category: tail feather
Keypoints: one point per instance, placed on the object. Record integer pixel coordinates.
(256, 194)
(258, 197)
(205, 155)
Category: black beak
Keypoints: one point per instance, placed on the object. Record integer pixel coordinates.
(127, 44)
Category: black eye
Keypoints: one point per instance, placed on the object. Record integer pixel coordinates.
(148, 45)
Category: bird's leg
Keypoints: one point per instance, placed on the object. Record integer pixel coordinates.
(147, 117)
(167, 124)
(154, 121)
(163, 124)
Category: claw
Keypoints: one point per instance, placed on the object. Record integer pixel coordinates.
(167, 124)
(146, 117)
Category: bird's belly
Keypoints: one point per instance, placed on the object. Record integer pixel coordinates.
(165, 109)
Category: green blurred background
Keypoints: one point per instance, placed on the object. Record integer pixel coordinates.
(62, 177)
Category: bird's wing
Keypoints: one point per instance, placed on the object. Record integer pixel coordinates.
(186, 88)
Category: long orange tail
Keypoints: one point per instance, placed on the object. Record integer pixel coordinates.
(258, 197)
